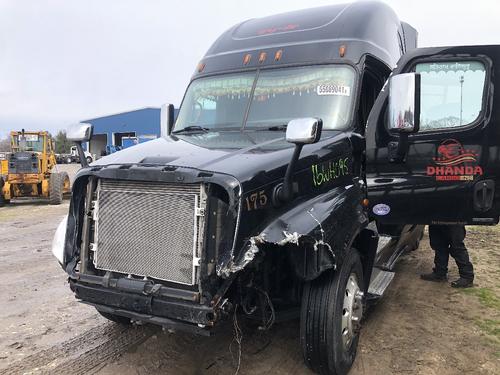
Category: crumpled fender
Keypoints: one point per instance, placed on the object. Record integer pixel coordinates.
(317, 232)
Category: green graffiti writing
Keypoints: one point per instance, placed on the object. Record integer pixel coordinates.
(328, 171)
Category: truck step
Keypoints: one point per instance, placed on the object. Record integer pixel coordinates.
(379, 282)
(383, 240)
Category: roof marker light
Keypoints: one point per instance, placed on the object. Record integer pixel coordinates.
(246, 59)
(278, 54)
(200, 67)
(262, 57)
(342, 50)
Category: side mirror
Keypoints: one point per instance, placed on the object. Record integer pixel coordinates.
(304, 130)
(166, 119)
(404, 103)
(81, 132)
(300, 131)
(404, 112)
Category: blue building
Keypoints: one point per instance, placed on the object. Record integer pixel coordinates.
(124, 129)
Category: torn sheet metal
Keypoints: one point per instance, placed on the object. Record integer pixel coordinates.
(327, 222)
(248, 256)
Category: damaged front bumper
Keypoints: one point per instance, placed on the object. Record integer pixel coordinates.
(141, 300)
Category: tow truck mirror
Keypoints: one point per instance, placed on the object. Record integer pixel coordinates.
(81, 132)
(304, 130)
(404, 103)
(166, 119)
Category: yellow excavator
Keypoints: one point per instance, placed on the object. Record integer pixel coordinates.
(30, 169)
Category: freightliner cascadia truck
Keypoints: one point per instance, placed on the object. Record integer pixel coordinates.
(310, 149)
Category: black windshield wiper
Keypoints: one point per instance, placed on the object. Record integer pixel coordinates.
(190, 129)
(278, 127)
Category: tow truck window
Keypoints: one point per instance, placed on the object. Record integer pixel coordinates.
(321, 91)
(451, 93)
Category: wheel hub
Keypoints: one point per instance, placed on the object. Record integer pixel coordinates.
(352, 310)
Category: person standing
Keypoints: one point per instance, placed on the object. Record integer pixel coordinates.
(448, 240)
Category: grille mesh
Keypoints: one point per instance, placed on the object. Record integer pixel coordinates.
(147, 229)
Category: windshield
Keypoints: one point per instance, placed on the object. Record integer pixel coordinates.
(28, 142)
(280, 95)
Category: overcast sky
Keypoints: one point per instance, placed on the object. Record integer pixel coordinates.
(65, 61)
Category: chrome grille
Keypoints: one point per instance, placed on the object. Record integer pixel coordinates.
(149, 229)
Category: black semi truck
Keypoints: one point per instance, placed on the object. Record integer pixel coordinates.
(303, 143)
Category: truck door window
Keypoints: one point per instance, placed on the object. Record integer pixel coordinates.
(451, 93)
(371, 85)
(281, 95)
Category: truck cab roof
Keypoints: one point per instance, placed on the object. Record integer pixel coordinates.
(312, 36)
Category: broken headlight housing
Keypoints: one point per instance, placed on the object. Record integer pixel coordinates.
(59, 239)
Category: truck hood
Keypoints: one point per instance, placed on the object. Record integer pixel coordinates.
(243, 155)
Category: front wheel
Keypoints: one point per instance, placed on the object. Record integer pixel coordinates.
(3, 201)
(56, 186)
(332, 308)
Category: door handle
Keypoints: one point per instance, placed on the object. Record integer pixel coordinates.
(484, 192)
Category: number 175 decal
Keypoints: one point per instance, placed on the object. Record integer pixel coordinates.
(256, 200)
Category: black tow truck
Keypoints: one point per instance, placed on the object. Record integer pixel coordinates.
(303, 142)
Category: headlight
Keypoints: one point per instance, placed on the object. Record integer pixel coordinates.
(59, 239)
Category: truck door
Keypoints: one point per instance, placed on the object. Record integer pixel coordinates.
(433, 137)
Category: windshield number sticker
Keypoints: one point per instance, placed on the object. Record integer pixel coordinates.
(256, 200)
(331, 89)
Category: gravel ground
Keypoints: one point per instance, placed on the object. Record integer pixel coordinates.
(417, 328)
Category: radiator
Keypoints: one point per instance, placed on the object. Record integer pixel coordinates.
(149, 229)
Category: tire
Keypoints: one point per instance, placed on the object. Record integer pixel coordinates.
(89, 159)
(115, 318)
(3, 201)
(56, 186)
(324, 302)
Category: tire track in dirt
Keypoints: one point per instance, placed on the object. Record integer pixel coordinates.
(84, 352)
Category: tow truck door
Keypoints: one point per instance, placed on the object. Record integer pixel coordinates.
(437, 161)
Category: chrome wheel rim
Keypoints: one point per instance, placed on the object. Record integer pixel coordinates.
(352, 310)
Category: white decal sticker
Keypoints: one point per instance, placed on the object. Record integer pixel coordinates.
(381, 209)
(330, 89)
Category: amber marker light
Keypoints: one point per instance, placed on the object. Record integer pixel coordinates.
(200, 67)
(365, 202)
(247, 59)
(278, 54)
(262, 57)
(342, 50)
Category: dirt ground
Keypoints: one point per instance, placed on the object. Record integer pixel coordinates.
(417, 328)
